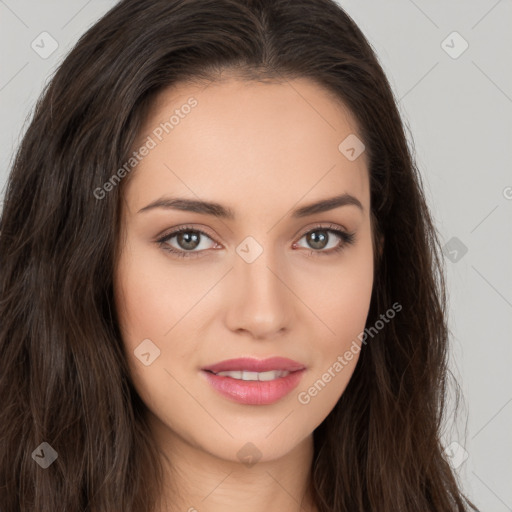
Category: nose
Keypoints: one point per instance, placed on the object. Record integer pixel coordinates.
(258, 298)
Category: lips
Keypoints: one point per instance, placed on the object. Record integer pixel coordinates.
(253, 392)
(249, 364)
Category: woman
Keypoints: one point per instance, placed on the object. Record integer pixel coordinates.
(221, 285)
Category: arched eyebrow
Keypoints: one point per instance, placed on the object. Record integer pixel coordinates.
(225, 212)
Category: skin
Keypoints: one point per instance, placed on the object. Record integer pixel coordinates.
(263, 149)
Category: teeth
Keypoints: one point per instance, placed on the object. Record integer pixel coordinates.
(261, 376)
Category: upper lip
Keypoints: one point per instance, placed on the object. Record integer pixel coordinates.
(255, 365)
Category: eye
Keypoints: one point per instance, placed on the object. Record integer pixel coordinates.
(329, 237)
(187, 240)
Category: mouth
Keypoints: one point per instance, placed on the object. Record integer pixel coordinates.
(254, 388)
(253, 381)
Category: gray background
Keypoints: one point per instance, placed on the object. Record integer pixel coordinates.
(458, 109)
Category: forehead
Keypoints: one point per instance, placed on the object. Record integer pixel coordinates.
(250, 144)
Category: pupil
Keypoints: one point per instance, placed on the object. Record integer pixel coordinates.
(318, 242)
(188, 240)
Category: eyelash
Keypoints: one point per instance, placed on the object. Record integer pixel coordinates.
(346, 239)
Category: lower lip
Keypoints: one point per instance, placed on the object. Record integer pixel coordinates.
(253, 392)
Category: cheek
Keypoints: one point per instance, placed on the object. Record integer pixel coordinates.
(151, 300)
(341, 301)
(352, 297)
(339, 293)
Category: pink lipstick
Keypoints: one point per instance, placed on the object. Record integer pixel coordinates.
(254, 381)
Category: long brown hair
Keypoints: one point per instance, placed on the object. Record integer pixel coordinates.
(63, 376)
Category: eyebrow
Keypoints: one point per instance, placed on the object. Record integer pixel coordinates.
(224, 212)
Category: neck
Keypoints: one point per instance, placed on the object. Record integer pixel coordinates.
(198, 481)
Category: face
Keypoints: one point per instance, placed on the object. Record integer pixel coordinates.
(258, 275)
